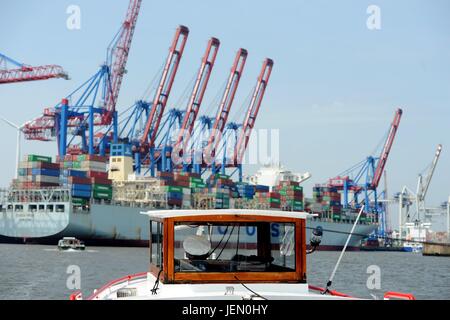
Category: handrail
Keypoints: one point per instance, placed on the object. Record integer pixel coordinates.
(116, 282)
(331, 292)
(398, 296)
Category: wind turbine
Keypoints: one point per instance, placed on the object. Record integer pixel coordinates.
(18, 142)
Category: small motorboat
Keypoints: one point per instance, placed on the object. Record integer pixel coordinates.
(71, 244)
(224, 255)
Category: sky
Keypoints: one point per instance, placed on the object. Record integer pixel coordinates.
(333, 92)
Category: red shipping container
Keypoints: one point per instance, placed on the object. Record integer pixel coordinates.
(174, 202)
(78, 180)
(274, 195)
(96, 180)
(47, 165)
(182, 183)
(165, 174)
(97, 174)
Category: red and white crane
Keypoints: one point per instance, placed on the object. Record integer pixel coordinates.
(46, 128)
(197, 95)
(252, 112)
(165, 86)
(226, 103)
(386, 149)
(119, 53)
(22, 72)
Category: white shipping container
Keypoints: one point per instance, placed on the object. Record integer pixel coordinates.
(94, 166)
(25, 164)
(25, 178)
(48, 179)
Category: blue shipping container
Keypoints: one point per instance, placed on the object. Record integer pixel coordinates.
(175, 195)
(82, 187)
(45, 172)
(74, 173)
(81, 194)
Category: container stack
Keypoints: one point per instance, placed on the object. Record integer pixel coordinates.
(330, 199)
(80, 186)
(291, 195)
(184, 180)
(86, 176)
(264, 197)
(245, 190)
(177, 188)
(221, 188)
(37, 172)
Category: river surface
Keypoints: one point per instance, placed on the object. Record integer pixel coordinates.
(41, 272)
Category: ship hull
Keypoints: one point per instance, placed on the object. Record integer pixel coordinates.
(113, 225)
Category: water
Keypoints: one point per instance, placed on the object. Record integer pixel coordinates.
(40, 272)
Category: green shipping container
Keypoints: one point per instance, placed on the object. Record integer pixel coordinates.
(337, 216)
(79, 201)
(222, 176)
(35, 157)
(295, 203)
(81, 157)
(102, 187)
(76, 165)
(198, 185)
(102, 195)
(274, 200)
(173, 189)
(196, 180)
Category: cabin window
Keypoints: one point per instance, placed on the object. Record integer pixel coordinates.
(50, 208)
(59, 208)
(234, 247)
(41, 207)
(156, 256)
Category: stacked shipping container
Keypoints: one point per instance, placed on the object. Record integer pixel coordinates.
(330, 200)
(36, 172)
(291, 195)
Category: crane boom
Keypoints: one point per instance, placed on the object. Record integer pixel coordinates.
(386, 149)
(424, 187)
(120, 56)
(28, 73)
(198, 93)
(164, 88)
(226, 102)
(252, 112)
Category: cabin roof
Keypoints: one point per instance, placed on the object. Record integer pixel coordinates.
(161, 214)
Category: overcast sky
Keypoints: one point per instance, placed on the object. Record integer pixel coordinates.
(333, 92)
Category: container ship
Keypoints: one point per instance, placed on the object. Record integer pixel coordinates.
(99, 200)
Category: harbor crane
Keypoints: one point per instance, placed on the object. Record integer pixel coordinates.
(190, 116)
(407, 199)
(364, 178)
(238, 135)
(22, 72)
(144, 149)
(224, 109)
(92, 104)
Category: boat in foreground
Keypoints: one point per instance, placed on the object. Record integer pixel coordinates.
(206, 254)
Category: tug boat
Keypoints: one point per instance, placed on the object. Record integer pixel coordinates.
(224, 255)
(71, 244)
